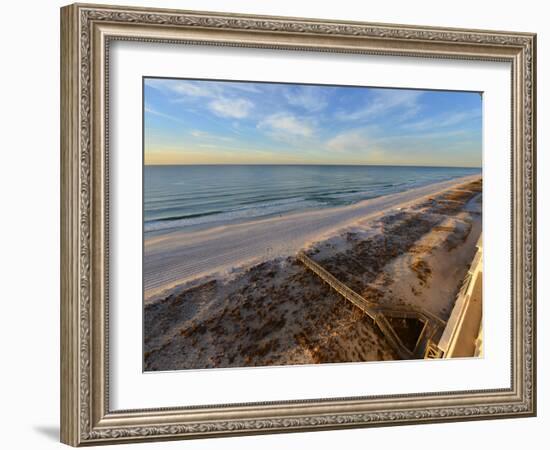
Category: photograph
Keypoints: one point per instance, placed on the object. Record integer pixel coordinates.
(295, 224)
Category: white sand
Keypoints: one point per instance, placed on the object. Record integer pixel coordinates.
(399, 283)
(179, 257)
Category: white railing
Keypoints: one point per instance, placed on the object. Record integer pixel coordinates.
(456, 339)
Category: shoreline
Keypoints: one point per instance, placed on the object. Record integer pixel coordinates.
(178, 257)
(159, 227)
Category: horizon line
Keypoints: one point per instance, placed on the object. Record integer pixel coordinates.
(311, 164)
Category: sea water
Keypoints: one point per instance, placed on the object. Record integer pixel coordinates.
(188, 196)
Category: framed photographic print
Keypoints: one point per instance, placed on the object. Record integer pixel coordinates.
(276, 224)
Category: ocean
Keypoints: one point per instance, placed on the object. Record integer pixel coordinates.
(185, 197)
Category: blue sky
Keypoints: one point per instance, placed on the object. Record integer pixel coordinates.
(220, 122)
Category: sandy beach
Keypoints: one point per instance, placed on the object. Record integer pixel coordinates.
(235, 295)
(176, 258)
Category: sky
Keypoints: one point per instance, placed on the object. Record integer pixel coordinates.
(222, 122)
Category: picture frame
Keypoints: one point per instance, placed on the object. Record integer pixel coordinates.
(87, 32)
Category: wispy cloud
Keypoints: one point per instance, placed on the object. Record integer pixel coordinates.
(224, 102)
(451, 119)
(149, 110)
(245, 87)
(199, 134)
(433, 135)
(236, 108)
(351, 140)
(309, 98)
(284, 125)
(383, 102)
(180, 87)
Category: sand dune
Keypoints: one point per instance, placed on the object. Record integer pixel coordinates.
(182, 256)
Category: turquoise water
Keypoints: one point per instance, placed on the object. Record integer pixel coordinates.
(180, 197)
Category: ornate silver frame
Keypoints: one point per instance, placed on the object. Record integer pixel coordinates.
(86, 31)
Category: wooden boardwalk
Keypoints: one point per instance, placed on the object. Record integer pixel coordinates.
(380, 314)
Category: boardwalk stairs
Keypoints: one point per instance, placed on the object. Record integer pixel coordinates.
(381, 315)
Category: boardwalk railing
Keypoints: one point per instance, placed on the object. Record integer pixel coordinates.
(338, 286)
(379, 313)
